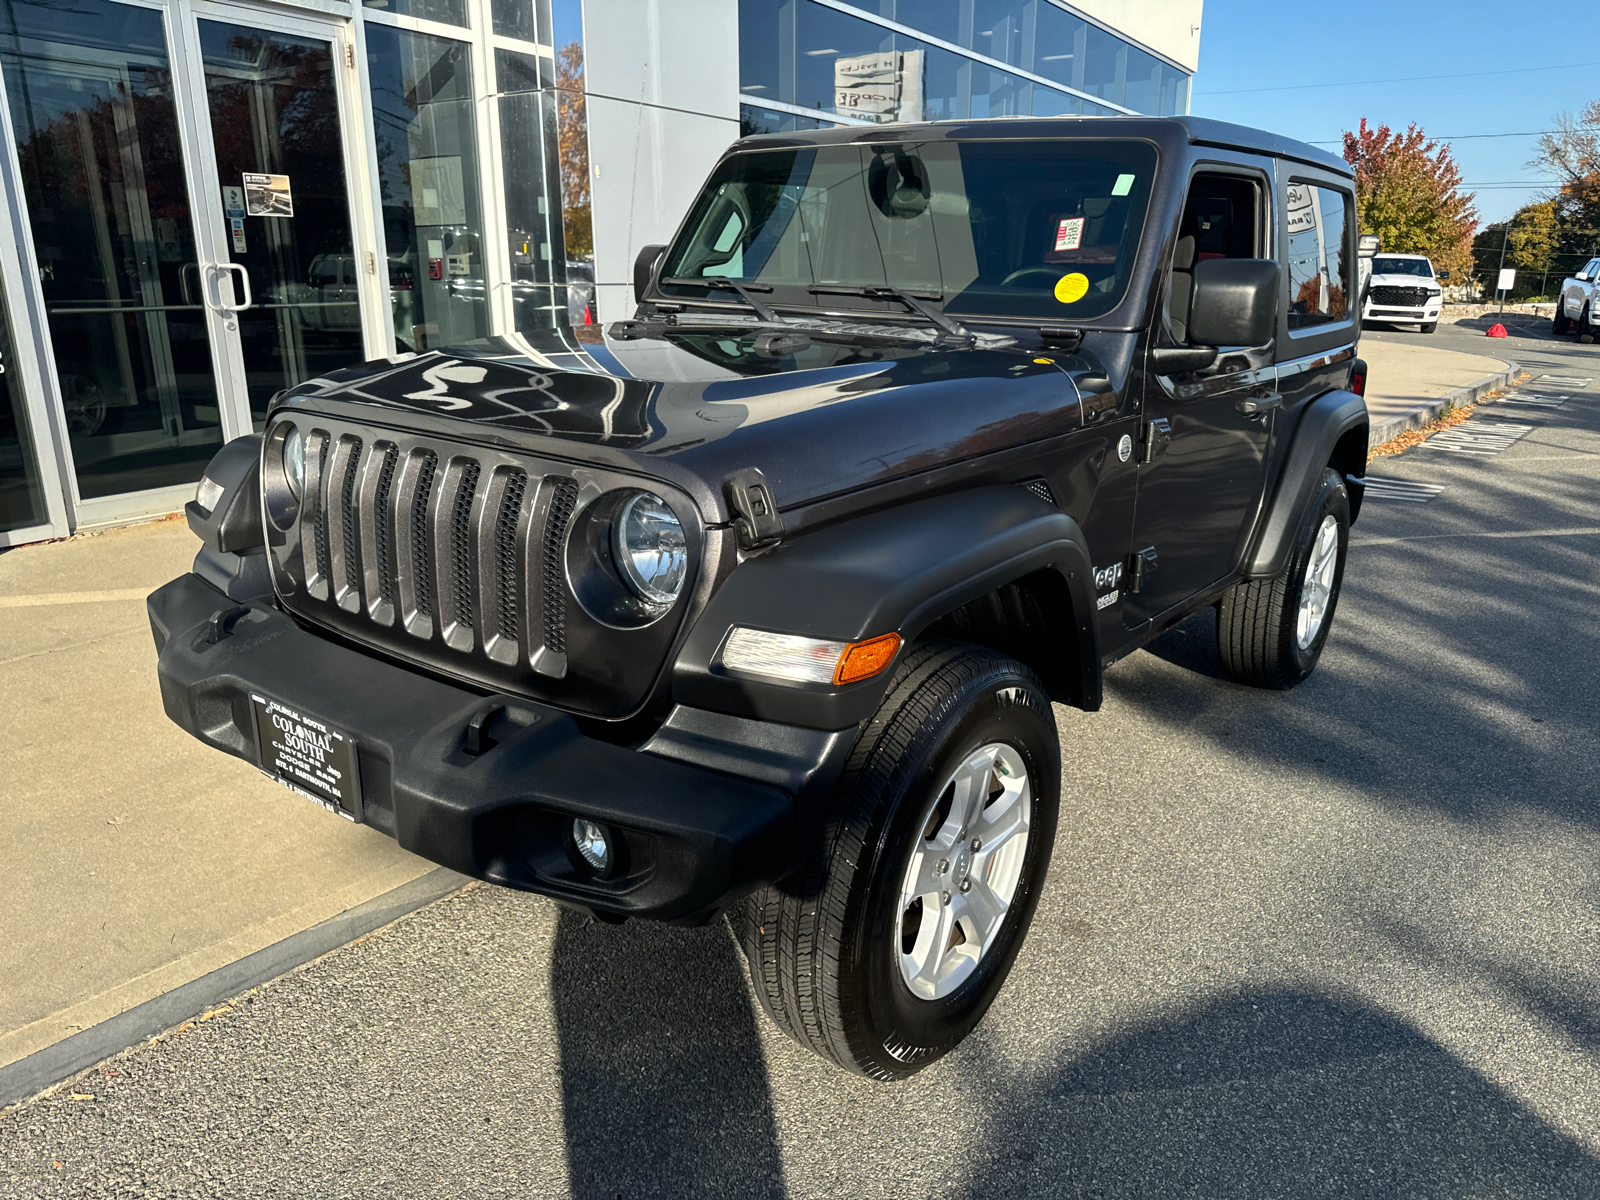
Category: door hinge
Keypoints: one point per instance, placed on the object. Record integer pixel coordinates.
(757, 522)
(1153, 439)
(350, 55)
(372, 263)
(1141, 565)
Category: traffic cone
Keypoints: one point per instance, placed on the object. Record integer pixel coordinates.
(1496, 331)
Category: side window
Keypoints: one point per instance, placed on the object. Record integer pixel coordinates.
(1221, 219)
(1318, 275)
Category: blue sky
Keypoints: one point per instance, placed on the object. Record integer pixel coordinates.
(1251, 44)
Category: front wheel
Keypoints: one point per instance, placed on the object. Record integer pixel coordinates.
(888, 947)
(1430, 327)
(1271, 631)
(1560, 324)
(1585, 333)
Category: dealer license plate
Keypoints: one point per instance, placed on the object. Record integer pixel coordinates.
(308, 756)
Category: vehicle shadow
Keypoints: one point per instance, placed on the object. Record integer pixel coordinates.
(663, 1081)
(1272, 1093)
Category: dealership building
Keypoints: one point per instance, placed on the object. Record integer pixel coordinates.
(211, 201)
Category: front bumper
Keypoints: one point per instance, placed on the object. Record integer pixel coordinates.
(690, 839)
(1381, 312)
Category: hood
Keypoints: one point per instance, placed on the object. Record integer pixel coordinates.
(1405, 281)
(818, 417)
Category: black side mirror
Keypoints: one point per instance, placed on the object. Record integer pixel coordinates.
(644, 271)
(1444, 276)
(1235, 302)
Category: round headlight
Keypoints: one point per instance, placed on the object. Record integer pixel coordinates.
(294, 461)
(650, 550)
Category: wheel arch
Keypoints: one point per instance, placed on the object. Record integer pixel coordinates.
(1332, 432)
(913, 570)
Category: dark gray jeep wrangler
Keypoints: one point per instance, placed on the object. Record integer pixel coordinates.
(758, 602)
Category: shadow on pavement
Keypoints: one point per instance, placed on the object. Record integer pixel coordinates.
(1278, 1094)
(662, 1075)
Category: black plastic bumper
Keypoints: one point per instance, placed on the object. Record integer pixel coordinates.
(689, 839)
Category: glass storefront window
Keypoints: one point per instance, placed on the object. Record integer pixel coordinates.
(21, 495)
(527, 20)
(528, 147)
(797, 52)
(427, 153)
(450, 12)
(91, 94)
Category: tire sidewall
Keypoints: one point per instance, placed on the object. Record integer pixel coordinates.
(906, 1032)
(1332, 499)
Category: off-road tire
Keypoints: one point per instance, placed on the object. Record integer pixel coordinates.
(1585, 331)
(1256, 619)
(820, 945)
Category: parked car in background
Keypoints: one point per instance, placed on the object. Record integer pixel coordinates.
(1405, 290)
(1575, 305)
(580, 293)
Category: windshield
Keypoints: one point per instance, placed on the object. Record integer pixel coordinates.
(1038, 230)
(1402, 266)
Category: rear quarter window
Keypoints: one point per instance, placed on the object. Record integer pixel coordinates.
(1318, 271)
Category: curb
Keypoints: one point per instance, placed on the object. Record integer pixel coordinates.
(45, 1068)
(1394, 426)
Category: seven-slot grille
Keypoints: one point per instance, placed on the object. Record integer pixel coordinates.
(447, 545)
(1401, 297)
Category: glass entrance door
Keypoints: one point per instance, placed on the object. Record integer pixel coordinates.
(289, 280)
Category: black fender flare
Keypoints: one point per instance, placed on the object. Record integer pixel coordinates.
(1326, 435)
(895, 571)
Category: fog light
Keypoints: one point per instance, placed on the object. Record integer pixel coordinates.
(592, 842)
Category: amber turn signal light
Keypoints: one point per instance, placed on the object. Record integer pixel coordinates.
(863, 660)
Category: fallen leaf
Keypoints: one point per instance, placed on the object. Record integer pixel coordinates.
(83, 1095)
(56, 1165)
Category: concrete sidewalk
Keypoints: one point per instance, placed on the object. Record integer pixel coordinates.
(134, 860)
(1407, 386)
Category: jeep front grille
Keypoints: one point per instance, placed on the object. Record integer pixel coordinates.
(1400, 297)
(430, 544)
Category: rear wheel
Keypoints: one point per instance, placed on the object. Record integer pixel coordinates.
(891, 943)
(1271, 631)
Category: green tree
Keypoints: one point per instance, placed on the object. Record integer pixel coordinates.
(1408, 192)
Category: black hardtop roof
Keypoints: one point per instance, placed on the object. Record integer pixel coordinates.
(1197, 131)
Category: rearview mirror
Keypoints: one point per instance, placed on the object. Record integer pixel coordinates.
(1444, 276)
(1368, 245)
(1235, 302)
(644, 271)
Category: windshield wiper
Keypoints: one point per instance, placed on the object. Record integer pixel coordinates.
(948, 325)
(729, 285)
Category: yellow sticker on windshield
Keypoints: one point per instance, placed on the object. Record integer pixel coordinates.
(1072, 288)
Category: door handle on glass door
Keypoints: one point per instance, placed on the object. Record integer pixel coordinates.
(183, 282)
(244, 277)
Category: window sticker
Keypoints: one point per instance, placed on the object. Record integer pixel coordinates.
(1069, 234)
(1072, 288)
(1124, 185)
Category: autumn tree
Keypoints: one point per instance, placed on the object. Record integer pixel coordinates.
(572, 132)
(1534, 238)
(1571, 153)
(1408, 192)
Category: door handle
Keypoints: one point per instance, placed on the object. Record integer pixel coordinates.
(244, 276)
(183, 281)
(1259, 403)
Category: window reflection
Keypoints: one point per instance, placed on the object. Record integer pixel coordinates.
(806, 54)
(428, 184)
(1319, 268)
(21, 494)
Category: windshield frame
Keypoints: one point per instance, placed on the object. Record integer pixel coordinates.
(880, 308)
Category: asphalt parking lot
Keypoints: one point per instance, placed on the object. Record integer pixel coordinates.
(1334, 942)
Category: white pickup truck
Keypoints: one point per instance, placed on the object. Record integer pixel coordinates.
(1575, 306)
(1403, 289)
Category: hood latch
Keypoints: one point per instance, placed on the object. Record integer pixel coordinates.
(756, 522)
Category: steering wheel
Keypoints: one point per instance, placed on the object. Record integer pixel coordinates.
(1023, 272)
